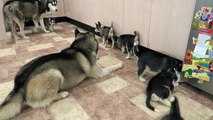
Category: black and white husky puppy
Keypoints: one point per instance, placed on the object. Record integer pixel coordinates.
(106, 33)
(174, 113)
(160, 87)
(49, 23)
(151, 62)
(127, 41)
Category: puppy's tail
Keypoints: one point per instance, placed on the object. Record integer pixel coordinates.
(12, 105)
(148, 102)
(175, 110)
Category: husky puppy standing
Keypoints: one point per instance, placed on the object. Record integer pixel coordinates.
(106, 33)
(151, 62)
(49, 23)
(160, 87)
(46, 79)
(174, 113)
(126, 43)
(19, 11)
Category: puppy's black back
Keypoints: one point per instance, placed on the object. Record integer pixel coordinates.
(154, 60)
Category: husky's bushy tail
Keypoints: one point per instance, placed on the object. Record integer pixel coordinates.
(12, 105)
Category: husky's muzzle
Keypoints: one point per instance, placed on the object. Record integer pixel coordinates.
(52, 7)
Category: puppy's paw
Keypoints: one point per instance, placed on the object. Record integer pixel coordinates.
(156, 110)
(64, 94)
(142, 79)
(46, 31)
(118, 66)
(25, 37)
(172, 98)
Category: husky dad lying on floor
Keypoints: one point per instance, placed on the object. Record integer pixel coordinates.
(45, 79)
(20, 11)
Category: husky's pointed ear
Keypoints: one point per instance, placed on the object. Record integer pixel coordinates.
(99, 23)
(135, 32)
(111, 24)
(76, 32)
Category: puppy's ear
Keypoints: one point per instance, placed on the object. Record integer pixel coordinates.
(99, 23)
(76, 32)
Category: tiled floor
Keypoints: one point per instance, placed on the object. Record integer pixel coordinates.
(117, 96)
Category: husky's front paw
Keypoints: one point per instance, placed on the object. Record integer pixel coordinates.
(172, 98)
(118, 66)
(25, 37)
(64, 94)
(142, 79)
(46, 31)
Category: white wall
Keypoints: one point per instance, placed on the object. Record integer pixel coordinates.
(163, 25)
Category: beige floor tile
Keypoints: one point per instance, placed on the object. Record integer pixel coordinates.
(58, 27)
(70, 39)
(190, 109)
(22, 41)
(58, 39)
(49, 34)
(112, 85)
(40, 47)
(7, 52)
(71, 26)
(108, 60)
(67, 109)
(5, 88)
(140, 102)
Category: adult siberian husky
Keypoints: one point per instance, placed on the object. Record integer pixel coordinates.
(46, 79)
(19, 11)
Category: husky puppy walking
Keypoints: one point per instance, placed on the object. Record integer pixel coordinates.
(127, 41)
(106, 33)
(19, 11)
(160, 87)
(151, 62)
(46, 79)
(49, 23)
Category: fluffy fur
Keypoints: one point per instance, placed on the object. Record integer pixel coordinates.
(46, 79)
(126, 43)
(174, 113)
(49, 23)
(106, 33)
(160, 87)
(151, 62)
(19, 11)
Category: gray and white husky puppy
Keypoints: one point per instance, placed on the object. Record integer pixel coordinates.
(152, 62)
(106, 33)
(127, 42)
(46, 79)
(19, 11)
(49, 23)
(161, 86)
